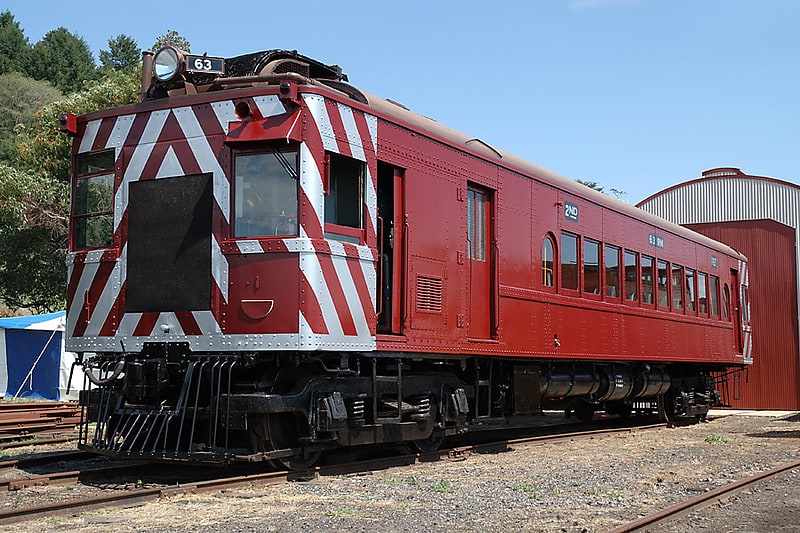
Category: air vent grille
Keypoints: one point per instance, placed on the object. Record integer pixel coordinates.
(287, 65)
(429, 294)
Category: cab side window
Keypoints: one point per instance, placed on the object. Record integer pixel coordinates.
(344, 202)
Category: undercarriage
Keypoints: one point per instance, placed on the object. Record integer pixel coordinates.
(165, 404)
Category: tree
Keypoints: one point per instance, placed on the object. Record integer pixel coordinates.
(20, 97)
(64, 60)
(172, 38)
(14, 46)
(33, 236)
(591, 184)
(123, 54)
(34, 197)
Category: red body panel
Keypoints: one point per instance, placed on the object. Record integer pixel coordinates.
(310, 286)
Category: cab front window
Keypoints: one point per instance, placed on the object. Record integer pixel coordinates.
(265, 194)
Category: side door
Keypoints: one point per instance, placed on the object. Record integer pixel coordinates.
(480, 264)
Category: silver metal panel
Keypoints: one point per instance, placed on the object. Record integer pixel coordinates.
(727, 199)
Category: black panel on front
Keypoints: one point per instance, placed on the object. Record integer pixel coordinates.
(169, 244)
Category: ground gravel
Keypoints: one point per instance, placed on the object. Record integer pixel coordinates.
(579, 486)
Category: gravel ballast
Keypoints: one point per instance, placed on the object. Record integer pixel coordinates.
(583, 485)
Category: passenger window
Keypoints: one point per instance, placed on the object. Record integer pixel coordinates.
(569, 261)
(548, 258)
(631, 276)
(690, 292)
(591, 267)
(612, 271)
(647, 279)
(702, 298)
(713, 295)
(265, 187)
(677, 287)
(344, 201)
(663, 284)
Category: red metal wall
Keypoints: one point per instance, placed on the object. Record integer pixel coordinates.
(774, 378)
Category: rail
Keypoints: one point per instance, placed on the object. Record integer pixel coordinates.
(704, 500)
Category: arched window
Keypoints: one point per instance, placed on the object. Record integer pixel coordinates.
(548, 262)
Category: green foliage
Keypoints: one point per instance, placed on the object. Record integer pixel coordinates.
(526, 488)
(442, 486)
(173, 38)
(123, 54)
(45, 148)
(716, 439)
(591, 184)
(34, 197)
(33, 237)
(20, 97)
(343, 512)
(63, 59)
(14, 46)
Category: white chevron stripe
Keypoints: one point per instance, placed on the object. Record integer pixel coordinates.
(122, 127)
(207, 322)
(206, 158)
(170, 166)
(138, 161)
(351, 131)
(219, 268)
(311, 183)
(128, 325)
(269, 106)
(371, 276)
(316, 104)
(225, 113)
(103, 306)
(309, 265)
(87, 141)
(84, 284)
(339, 260)
(249, 247)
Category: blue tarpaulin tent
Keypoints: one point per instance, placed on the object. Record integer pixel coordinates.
(33, 363)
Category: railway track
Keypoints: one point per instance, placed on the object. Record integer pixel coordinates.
(125, 497)
(42, 422)
(679, 510)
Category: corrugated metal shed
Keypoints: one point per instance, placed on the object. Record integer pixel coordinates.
(760, 217)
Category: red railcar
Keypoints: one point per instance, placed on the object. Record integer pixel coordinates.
(266, 262)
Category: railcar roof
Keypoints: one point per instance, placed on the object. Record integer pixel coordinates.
(329, 78)
(513, 162)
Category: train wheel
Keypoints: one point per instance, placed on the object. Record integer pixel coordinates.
(284, 430)
(429, 445)
(666, 408)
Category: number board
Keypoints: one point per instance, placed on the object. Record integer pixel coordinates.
(205, 64)
(571, 211)
(656, 240)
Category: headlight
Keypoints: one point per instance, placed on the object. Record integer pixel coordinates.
(166, 63)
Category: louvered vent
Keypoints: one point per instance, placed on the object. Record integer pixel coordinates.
(429, 294)
(288, 65)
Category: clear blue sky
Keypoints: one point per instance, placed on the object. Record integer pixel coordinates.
(636, 95)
